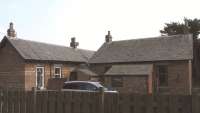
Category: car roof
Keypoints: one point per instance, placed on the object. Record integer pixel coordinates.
(89, 82)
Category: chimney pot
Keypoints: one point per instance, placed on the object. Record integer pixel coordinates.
(11, 31)
(108, 37)
(73, 43)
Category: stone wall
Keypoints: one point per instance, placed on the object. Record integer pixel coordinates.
(179, 78)
(30, 74)
(131, 84)
(11, 68)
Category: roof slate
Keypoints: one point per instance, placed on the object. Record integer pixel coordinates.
(177, 47)
(31, 50)
(140, 69)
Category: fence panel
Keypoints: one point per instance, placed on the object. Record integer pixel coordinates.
(85, 103)
(67, 101)
(52, 102)
(22, 97)
(29, 102)
(90, 102)
(195, 104)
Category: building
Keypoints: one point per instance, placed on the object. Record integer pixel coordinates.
(151, 65)
(25, 64)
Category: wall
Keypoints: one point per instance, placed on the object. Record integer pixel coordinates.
(83, 76)
(178, 76)
(131, 84)
(11, 68)
(49, 82)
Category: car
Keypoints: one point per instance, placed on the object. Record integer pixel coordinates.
(84, 86)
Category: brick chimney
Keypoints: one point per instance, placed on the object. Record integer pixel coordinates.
(73, 43)
(108, 38)
(11, 31)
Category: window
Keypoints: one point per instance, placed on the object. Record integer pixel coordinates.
(57, 72)
(40, 77)
(162, 75)
(73, 76)
(117, 81)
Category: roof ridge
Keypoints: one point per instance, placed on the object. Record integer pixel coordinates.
(157, 37)
(44, 51)
(49, 44)
(38, 42)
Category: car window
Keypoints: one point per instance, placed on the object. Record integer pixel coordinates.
(82, 86)
(91, 87)
(71, 86)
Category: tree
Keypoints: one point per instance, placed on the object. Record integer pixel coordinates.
(188, 26)
(191, 26)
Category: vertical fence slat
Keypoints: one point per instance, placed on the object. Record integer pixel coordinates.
(67, 101)
(76, 102)
(1, 100)
(45, 102)
(29, 104)
(52, 102)
(39, 102)
(10, 103)
(59, 100)
(15, 102)
(22, 102)
(5, 101)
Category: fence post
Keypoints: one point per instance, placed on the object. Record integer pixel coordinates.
(101, 91)
(34, 99)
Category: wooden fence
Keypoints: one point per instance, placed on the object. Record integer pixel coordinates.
(95, 102)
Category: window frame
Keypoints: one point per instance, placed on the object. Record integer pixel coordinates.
(43, 75)
(59, 75)
(166, 75)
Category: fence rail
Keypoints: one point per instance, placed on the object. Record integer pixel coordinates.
(95, 102)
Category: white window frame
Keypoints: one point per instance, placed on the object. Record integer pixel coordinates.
(42, 76)
(60, 75)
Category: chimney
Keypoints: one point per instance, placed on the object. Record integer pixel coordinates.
(108, 37)
(73, 43)
(11, 31)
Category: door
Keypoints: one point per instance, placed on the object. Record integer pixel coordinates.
(39, 77)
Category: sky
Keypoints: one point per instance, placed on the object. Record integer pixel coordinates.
(56, 21)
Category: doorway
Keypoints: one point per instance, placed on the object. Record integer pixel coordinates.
(39, 77)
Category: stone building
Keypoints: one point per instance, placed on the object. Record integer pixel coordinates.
(150, 65)
(25, 64)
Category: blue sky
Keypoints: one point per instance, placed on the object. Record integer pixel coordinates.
(56, 21)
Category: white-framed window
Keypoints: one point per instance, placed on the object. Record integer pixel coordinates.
(57, 72)
(40, 77)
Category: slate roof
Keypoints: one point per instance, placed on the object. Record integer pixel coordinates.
(86, 71)
(31, 50)
(139, 69)
(177, 47)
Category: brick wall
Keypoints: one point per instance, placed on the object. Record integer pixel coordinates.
(131, 84)
(11, 68)
(178, 77)
(83, 76)
(30, 74)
